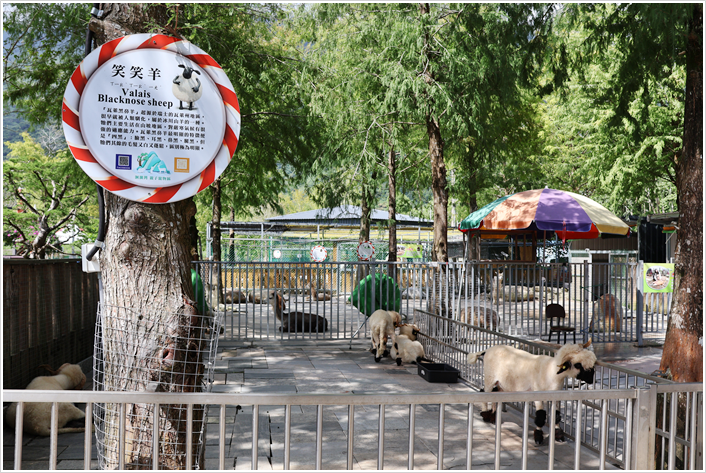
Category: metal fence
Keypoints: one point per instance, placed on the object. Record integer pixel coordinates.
(49, 314)
(137, 352)
(600, 299)
(297, 250)
(637, 453)
(449, 342)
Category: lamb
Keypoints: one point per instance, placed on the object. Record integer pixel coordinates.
(607, 314)
(410, 330)
(295, 321)
(509, 369)
(234, 296)
(314, 294)
(37, 415)
(482, 316)
(382, 327)
(406, 350)
(186, 87)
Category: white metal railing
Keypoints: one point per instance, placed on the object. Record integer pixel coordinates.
(449, 341)
(513, 296)
(637, 443)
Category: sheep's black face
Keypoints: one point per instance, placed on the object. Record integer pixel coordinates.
(187, 72)
(585, 375)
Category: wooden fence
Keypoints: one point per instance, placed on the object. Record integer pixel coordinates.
(49, 315)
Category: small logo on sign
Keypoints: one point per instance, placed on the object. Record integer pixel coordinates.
(181, 164)
(123, 161)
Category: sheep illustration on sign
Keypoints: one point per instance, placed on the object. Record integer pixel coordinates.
(186, 87)
(151, 163)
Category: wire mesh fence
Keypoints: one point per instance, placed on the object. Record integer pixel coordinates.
(142, 352)
(298, 250)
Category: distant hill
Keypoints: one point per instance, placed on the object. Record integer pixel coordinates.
(13, 125)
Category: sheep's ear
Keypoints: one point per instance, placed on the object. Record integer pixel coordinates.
(588, 343)
(182, 66)
(194, 70)
(565, 366)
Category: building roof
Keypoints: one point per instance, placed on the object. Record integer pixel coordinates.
(346, 215)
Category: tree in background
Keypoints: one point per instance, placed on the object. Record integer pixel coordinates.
(652, 41)
(277, 137)
(630, 168)
(43, 197)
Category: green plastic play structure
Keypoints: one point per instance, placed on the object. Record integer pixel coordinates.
(370, 296)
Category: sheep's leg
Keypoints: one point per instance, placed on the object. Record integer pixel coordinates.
(490, 415)
(540, 418)
(558, 433)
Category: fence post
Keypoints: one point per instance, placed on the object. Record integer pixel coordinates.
(640, 301)
(644, 428)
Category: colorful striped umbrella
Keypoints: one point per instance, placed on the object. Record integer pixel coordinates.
(569, 215)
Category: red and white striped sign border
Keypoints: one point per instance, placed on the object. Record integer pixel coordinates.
(89, 164)
(318, 253)
(363, 248)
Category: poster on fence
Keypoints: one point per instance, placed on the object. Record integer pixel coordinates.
(659, 277)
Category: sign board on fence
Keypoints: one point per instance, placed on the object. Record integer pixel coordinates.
(659, 277)
(151, 118)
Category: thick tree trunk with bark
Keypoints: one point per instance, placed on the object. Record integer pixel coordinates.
(683, 345)
(152, 336)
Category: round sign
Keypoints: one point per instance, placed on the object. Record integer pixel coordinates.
(366, 251)
(151, 118)
(277, 254)
(318, 253)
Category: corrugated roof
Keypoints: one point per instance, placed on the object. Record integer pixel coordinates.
(345, 215)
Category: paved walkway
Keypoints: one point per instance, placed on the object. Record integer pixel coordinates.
(330, 367)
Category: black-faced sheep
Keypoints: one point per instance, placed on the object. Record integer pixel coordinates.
(410, 330)
(295, 321)
(186, 87)
(407, 351)
(509, 369)
(382, 328)
(37, 415)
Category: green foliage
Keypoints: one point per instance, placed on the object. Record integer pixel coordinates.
(44, 195)
(277, 136)
(42, 45)
(613, 132)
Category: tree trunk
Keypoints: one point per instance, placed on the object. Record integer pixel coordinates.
(392, 210)
(365, 210)
(438, 166)
(683, 350)
(152, 338)
(439, 190)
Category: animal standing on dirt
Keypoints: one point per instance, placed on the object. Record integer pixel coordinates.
(382, 328)
(295, 321)
(37, 415)
(186, 87)
(509, 369)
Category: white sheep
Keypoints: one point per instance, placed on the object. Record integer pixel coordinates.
(410, 330)
(186, 87)
(382, 327)
(37, 415)
(406, 350)
(509, 369)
